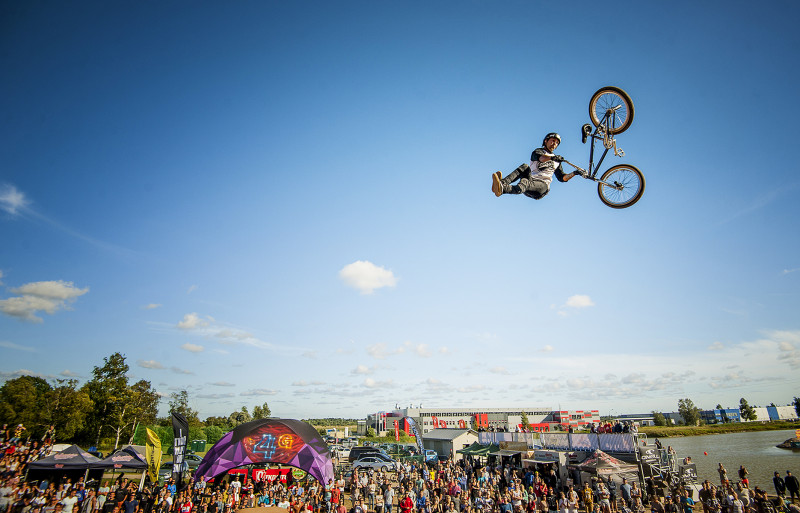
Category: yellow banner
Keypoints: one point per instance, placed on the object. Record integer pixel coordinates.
(153, 455)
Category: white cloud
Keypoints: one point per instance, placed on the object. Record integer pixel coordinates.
(371, 383)
(366, 276)
(16, 347)
(259, 392)
(178, 370)
(377, 351)
(150, 364)
(547, 349)
(222, 384)
(362, 370)
(380, 351)
(499, 370)
(716, 346)
(11, 200)
(420, 349)
(152, 306)
(193, 348)
(216, 396)
(44, 296)
(24, 372)
(579, 301)
(192, 321)
(69, 374)
(192, 289)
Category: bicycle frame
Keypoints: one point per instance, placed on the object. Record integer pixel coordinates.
(601, 133)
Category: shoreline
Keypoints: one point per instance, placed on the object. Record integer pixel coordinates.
(716, 429)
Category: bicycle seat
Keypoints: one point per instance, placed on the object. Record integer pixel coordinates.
(585, 131)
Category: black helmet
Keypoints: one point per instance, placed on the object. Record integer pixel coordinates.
(551, 134)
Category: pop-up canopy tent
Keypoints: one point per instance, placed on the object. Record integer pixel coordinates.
(72, 458)
(284, 441)
(127, 457)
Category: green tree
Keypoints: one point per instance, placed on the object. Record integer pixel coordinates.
(689, 412)
(370, 432)
(221, 422)
(261, 412)
(239, 417)
(65, 407)
(107, 389)
(21, 402)
(213, 434)
(796, 405)
(718, 407)
(659, 419)
(525, 422)
(179, 403)
(747, 411)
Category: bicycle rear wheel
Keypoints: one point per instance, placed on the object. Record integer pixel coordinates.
(629, 182)
(617, 104)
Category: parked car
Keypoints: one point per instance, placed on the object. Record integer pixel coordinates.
(193, 460)
(376, 463)
(357, 452)
(165, 472)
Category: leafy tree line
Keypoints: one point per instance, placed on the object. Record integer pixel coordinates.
(108, 410)
(691, 413)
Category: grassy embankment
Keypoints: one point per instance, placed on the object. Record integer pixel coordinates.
(716, 429)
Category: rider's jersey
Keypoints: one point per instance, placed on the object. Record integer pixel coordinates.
(544, 171)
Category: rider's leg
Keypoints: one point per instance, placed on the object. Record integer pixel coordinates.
(536, 189)
(505, 186)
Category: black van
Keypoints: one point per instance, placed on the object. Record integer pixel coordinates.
(357, 452)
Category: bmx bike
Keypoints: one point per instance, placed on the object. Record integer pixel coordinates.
(611, 113)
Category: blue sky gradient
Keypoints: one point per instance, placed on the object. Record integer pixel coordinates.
(289, 202)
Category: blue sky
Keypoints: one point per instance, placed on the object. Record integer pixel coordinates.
(289, 202)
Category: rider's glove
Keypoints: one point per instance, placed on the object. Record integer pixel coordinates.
(557, 158)
(581, 172)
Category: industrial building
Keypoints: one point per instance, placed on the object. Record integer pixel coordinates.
(540, 419)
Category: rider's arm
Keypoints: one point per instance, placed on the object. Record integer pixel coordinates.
(541, 155)
(561, 176)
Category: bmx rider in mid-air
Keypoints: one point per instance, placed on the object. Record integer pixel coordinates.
(533, 180)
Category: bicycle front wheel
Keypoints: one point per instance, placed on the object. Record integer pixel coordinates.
(614, 105)
(626, 186)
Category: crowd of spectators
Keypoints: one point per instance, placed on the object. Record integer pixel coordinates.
(465, 486)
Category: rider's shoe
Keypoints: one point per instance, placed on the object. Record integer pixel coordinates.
(497, 185)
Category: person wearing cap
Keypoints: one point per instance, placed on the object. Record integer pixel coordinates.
(533, 180)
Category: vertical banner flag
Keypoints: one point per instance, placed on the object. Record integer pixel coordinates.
(180, 428)
(413, 425)
(153, 454)
(396, 430)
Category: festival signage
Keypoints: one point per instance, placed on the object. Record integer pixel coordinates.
(688, 473)
(396, 430)
(649, 455)
(180, 428)
(153, 454)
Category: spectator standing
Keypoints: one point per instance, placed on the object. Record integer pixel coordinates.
(792, 486)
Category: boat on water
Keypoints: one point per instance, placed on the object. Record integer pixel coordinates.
(791, 443)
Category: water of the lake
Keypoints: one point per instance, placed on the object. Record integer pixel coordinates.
(755, 450)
